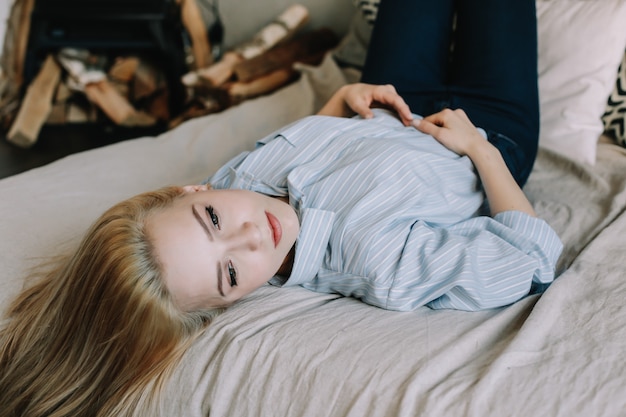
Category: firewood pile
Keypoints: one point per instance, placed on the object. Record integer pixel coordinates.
(79, 86)
(258, 66)
(73, 87)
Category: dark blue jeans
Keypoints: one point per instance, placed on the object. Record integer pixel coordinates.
(486, 66)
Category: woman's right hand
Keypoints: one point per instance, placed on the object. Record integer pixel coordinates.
(360, 98)
(453, 129)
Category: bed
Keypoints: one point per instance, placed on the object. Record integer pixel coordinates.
(292, 352)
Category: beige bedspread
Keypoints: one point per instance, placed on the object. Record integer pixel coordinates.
(291, 352)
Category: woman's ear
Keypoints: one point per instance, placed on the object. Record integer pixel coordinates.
(196, 188)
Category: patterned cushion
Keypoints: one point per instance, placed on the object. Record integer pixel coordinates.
(615, 116)
(369, 9)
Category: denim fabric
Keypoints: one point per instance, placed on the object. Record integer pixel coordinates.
(477, 55)
(515, 158)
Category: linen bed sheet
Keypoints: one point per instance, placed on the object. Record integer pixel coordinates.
(292, 352)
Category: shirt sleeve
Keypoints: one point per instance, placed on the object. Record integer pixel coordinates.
(476, 264)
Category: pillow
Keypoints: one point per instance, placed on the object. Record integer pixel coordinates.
(615, 116)
(369, 9)
(581, 43)
(352, 49)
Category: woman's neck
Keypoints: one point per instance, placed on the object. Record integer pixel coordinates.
(287, 265)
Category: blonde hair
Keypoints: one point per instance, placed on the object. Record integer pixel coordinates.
(98, 334)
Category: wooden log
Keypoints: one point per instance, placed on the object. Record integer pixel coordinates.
(36, 105)
(76, 114)
(147, 81)
(122, 88)
(63, 93)
(22, 39)
(158, 106)
(240, 91)
(12, 60)
(290, 21)
(109, 100)
(215, 75)
(200, 46)
(124, 69)
(296, 49)
(281, 29)
(116, 107)
(82, 67)
(58, 113)
(139, 119)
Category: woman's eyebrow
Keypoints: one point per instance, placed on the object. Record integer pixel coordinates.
(210, 236)
(219, 279)
(202, 223)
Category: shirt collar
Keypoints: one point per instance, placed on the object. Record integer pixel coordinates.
(245, 181)
(315, 228)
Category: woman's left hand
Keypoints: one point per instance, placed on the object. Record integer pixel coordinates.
(360, 98)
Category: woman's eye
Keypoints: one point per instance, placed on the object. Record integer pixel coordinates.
(214, 219)
(232, 274)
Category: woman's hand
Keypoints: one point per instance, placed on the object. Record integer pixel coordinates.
(453, 129)
(360, 98)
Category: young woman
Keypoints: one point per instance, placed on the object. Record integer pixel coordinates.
(390, 208)
(377, 210)
(368, 208)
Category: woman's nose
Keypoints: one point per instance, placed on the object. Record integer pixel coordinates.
(247, 237)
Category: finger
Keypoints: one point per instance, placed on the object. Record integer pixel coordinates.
(438, 118)
(403, 110)
(461, 113)
(362, 108)
(427, 127)
(390, 98)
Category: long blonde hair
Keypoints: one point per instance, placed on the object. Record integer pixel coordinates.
(99, 333)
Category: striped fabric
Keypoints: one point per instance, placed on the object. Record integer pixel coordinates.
(390, 216)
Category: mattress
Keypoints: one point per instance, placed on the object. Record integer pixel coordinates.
(293, 352)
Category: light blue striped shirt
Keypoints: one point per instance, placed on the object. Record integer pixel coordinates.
(390, 216)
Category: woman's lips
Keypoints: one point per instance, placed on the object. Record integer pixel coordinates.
(275, 227)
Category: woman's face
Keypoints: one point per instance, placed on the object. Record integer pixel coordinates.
(217, 246)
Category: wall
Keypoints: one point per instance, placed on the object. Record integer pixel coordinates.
(5, 6)
(243, 18)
